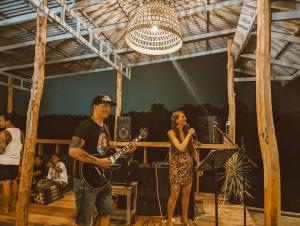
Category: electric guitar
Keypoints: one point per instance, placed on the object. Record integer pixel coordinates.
(96, 177)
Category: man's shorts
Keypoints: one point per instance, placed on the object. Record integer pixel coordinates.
(8, 172)
(86, 199)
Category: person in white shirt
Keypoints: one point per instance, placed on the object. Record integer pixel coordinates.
(57, 171)
(10, 156)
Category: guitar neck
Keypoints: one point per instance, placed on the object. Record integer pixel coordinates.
(125, 149)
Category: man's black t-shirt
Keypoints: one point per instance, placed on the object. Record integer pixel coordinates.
(96, 138)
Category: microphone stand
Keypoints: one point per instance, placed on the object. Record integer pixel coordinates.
(246, 160)
(242, 148)
(224, 135)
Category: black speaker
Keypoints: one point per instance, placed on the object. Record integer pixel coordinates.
(123, 128)
(147, 203)
(121, 176)
(206, 131)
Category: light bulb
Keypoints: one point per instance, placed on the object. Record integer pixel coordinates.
(154, 29)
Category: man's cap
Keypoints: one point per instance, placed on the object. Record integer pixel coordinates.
(103, 99)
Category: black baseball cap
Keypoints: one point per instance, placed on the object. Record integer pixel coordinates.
(103, 99)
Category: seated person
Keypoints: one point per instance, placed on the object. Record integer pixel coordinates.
(57, 171)
(38, 170)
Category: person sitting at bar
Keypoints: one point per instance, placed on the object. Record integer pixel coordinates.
(57, 171)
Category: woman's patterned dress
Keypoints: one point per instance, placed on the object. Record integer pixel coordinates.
(181, 167)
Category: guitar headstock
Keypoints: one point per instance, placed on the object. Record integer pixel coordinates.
(144, 133)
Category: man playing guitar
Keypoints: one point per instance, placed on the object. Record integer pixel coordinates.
(92, 137)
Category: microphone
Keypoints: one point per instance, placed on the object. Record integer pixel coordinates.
(194, 135)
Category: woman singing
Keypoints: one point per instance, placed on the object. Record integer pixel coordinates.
(181, 164)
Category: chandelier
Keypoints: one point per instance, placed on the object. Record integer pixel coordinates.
(155, 29)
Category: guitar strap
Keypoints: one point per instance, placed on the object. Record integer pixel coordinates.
(107, 131)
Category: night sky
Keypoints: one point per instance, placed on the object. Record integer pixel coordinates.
(157, 83)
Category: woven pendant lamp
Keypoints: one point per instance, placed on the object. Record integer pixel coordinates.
(155, 29)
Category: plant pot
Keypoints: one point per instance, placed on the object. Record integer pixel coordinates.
(234, 200)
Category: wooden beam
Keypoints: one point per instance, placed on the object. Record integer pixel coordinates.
(287, 40)
(245, 71)
(209, 7)
(24, 18)
(87, 3)
(285, 78)
(289, 15)
(286, 37)
(68, 59)
(32, 121)
(119, 101)
(80, 73)
(292, 78)
(22, 83)
(244, 28)
(205, 36)
(10, 96)
(275, 62)
(283, 5)
(15, 87)
(31, 43)
(266, 130)
(180, 57)
(231, 93)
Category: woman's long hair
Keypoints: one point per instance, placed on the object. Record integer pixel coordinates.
(174, 126)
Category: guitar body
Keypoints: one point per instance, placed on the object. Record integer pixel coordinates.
(95, 177)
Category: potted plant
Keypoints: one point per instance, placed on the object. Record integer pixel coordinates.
(233, 187)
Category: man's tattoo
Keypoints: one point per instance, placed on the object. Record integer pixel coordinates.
(8, 137)
(2, 142)
(76, 142)
(83, 154)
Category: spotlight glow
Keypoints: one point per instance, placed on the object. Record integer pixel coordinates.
(187, 82)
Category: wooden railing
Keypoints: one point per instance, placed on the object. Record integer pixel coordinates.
(145, 145)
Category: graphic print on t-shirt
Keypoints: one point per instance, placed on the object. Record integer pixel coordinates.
(102, 143)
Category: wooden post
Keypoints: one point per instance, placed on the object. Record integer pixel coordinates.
(40, 150)
(145, 156)
(10, 96)
(231, 93)
(119, 100)
(32, 121)
(266, 130)
(57, 149)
